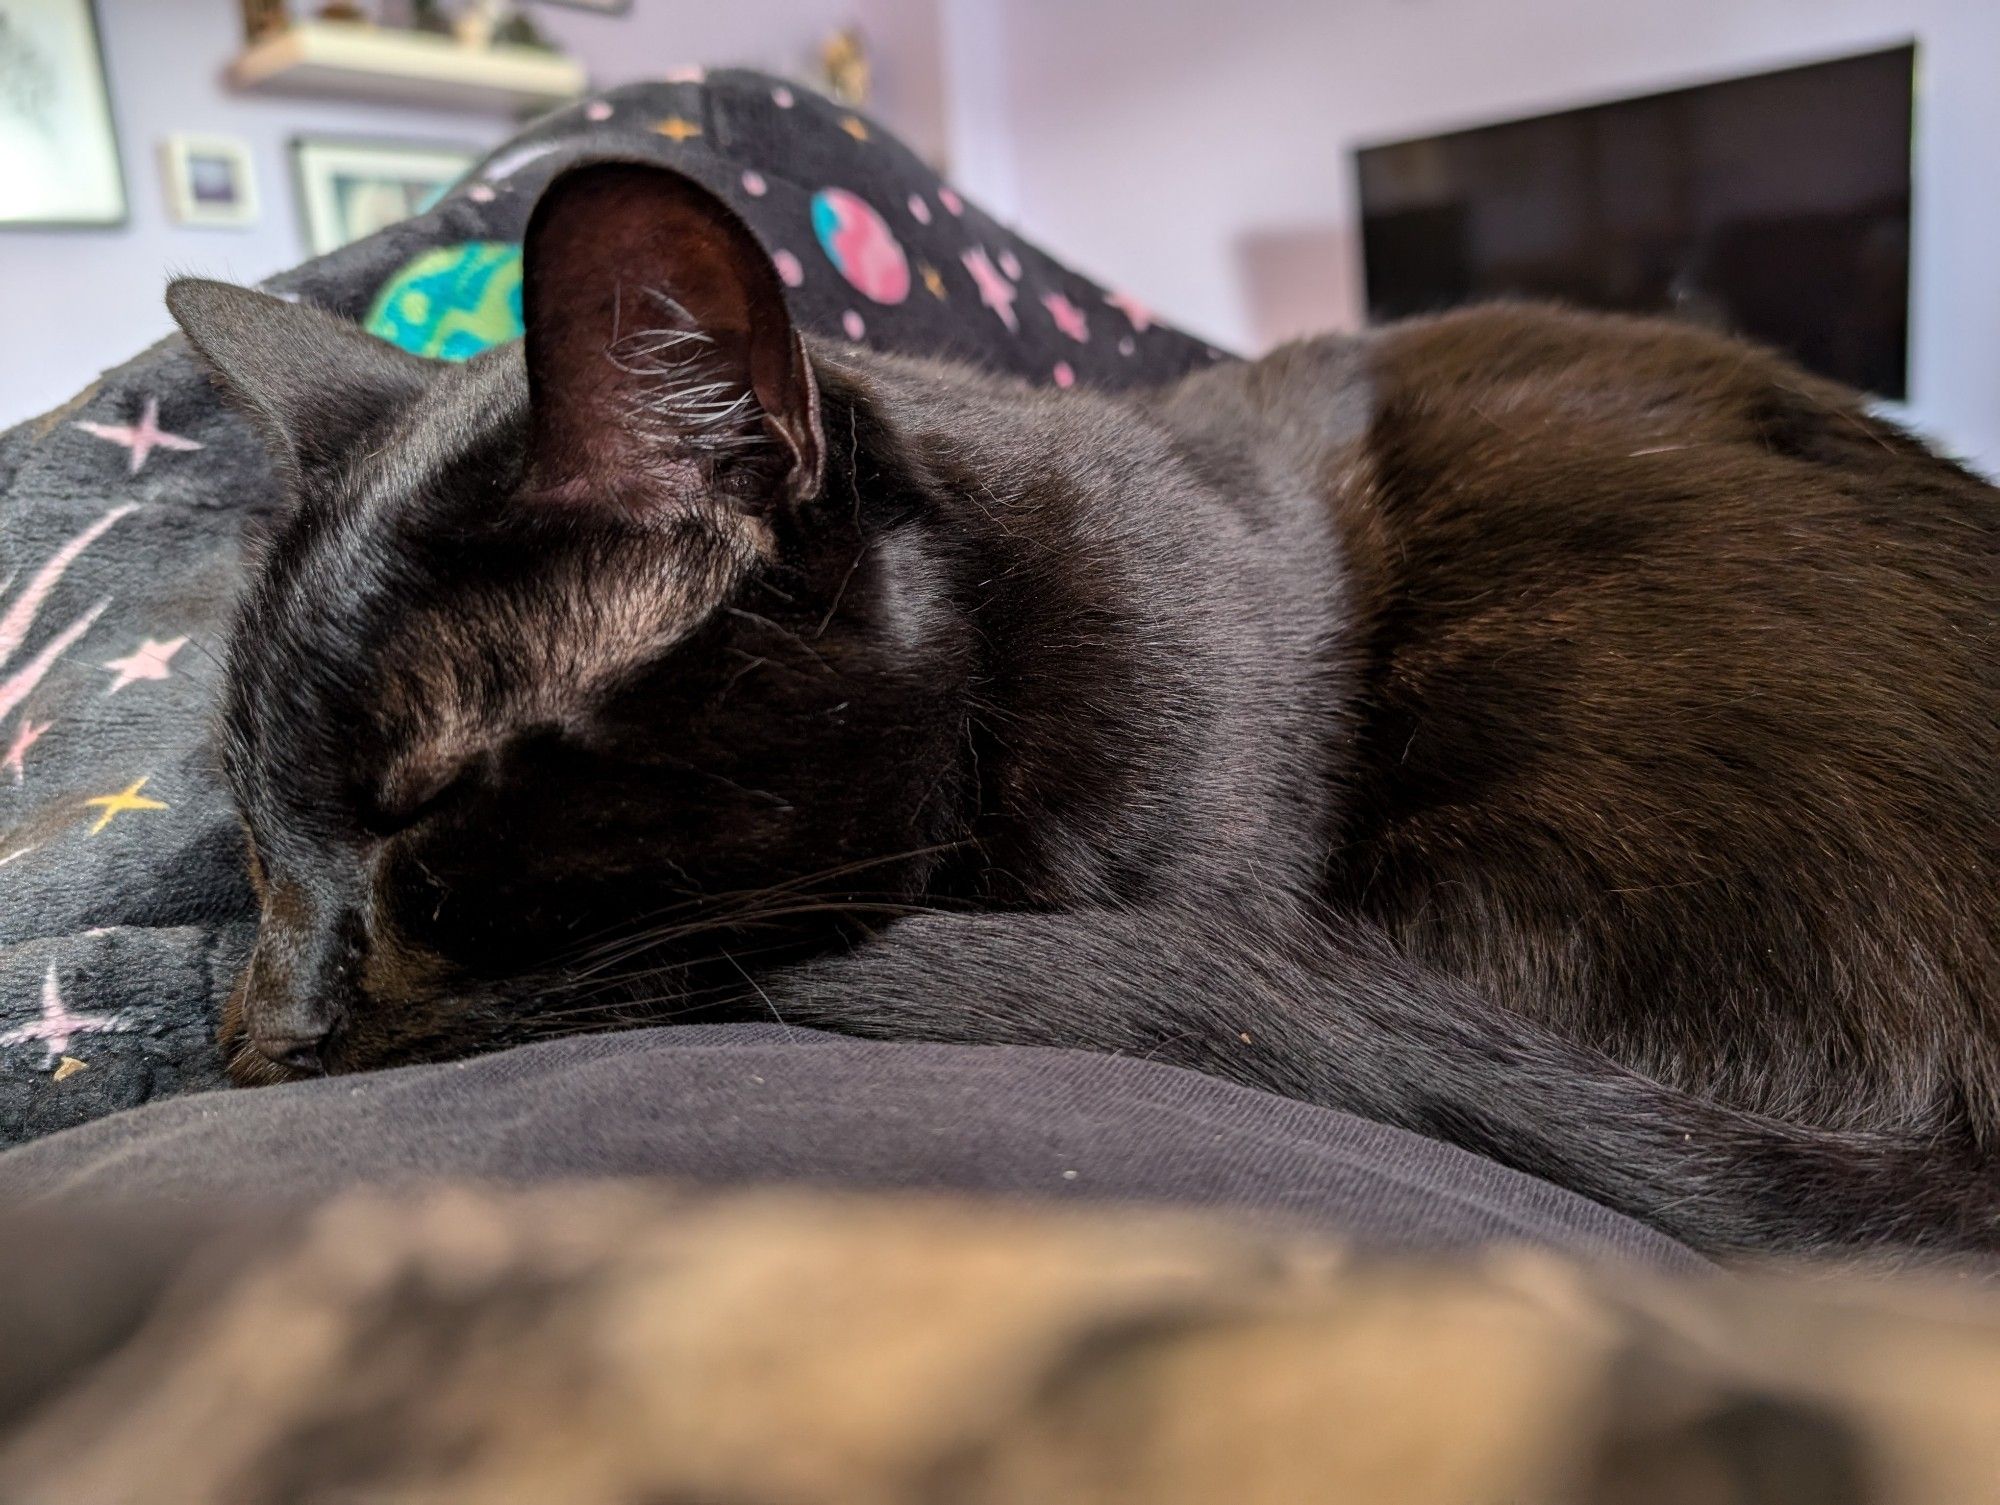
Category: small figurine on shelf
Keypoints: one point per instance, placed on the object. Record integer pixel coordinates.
(428, 16)
(518, 31)
(264, 18)
(478, 20)
(843, 66)
(498, 23)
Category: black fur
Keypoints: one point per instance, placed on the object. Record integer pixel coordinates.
(1570, 737)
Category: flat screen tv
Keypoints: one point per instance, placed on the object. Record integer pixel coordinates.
(1777, 206)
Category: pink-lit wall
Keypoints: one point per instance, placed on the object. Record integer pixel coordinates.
(1199, 152)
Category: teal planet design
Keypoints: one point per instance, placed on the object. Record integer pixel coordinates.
(452, 302)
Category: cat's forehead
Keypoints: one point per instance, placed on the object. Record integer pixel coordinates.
(427, 611)
(540, 642)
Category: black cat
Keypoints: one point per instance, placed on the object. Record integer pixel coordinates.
(1572, 737)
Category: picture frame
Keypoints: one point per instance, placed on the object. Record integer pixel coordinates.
(350, 187)
(210, 180)
(58, 134)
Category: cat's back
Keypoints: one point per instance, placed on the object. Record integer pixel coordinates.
(1681, 717)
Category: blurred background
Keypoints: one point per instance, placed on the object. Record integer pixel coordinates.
(1814, 172)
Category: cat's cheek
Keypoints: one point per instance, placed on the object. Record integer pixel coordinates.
(398, 973)
(231, 1031)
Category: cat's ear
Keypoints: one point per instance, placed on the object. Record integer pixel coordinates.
(313, 383)
(662, 360)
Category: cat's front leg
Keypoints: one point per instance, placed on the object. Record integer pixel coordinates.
(1328, 1012)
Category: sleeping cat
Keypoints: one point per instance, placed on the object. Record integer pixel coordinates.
(1568, 736)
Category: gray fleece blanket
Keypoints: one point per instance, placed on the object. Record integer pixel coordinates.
(126, 515)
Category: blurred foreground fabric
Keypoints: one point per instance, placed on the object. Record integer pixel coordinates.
(627, 1342)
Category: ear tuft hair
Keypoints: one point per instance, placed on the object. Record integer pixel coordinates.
(686, 390)
(663, 363)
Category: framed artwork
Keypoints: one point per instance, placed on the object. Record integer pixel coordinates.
(58, 145)
(349, 188)
(209, 180)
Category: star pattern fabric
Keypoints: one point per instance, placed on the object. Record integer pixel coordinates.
(115, 805)
(1136, 313)
(140, 438)
(25, 736)
(995, 291)
(150, 660)
(1067, 316)
(54, 1027)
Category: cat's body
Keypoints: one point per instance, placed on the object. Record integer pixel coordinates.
(1672, 680)
(1419, 725)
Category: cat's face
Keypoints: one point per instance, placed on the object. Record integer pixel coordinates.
(579, 682)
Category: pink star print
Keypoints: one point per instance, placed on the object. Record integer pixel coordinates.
(1069, 318)
(57, 1026)
(16, 759)
(141, 438)
(1140, 315)
(995, 291)
(148, 661)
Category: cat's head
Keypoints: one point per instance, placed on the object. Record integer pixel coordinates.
(626, 645)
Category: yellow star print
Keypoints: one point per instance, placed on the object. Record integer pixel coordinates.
(676, 128)
(853, 126)
(933, 283)
(117, 804)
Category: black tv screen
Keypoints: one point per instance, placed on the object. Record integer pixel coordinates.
(1777, 206)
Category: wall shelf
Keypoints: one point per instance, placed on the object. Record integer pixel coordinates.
(350, 61)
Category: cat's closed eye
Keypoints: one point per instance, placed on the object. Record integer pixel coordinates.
(416, 793)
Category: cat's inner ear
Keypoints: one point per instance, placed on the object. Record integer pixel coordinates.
(313, 383)
(663, 364)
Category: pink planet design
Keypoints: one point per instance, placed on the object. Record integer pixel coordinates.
(919, 210)
(789, 270)
(951, 201)
(851, 322)
(858, 242)
(754, 184)
(1065, 377)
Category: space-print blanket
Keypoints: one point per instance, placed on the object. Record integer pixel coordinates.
(124, 908)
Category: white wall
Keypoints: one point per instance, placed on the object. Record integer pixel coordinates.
(1167, 144)
(75, 301)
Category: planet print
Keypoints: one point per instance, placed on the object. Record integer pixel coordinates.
(859, 243)
(452, 301)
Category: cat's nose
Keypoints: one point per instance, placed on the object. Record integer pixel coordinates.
(297, 1053)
